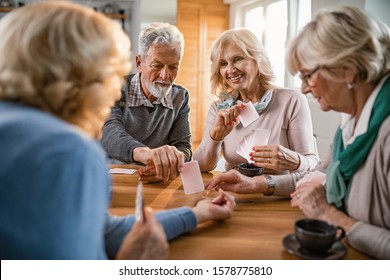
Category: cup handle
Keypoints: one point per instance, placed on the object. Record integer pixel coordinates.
(341, 234)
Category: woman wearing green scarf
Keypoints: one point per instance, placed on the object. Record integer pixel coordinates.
(343, 58)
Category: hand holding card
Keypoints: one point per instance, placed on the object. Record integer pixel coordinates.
(192, 178)
(258, 137)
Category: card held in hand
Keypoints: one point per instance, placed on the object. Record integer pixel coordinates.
(139, 203)
(192, 178)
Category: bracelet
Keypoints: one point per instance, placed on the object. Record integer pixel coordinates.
(271, 185)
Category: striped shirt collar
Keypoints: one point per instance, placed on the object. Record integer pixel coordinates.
(138, 98)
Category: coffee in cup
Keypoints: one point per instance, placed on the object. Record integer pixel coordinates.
(317, 236)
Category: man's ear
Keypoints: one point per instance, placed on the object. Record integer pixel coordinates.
(138, 62)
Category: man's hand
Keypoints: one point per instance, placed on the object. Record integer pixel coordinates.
(167, 162)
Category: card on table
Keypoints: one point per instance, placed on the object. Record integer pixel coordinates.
(248, 114)
(122, 171)
(192, 178)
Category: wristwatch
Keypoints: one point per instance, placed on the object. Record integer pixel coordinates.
(271, 185)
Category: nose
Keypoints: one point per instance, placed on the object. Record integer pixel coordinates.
(164, 73)
(305, 88)
(231, 68)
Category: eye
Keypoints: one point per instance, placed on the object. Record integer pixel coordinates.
(174, 67)
(237, 59)
(222, 63)
(156, 66)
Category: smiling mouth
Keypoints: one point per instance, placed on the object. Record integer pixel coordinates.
(235, 78)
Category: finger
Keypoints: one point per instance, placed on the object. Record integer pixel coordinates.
(165, 165)
(180, 161)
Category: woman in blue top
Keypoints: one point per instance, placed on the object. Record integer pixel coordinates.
(60, 72)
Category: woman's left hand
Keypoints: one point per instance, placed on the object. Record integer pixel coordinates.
(311, 199)
(275, 157)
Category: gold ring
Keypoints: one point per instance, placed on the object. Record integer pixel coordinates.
(268, 160)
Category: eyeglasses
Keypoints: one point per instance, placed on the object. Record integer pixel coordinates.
(306, 77)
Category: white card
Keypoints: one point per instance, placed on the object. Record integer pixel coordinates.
(248, 114)
(261, 137)
(122, 171)
(192, 178)
(139, 203)
(258, 137)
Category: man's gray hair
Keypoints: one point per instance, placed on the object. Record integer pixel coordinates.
(161, 34)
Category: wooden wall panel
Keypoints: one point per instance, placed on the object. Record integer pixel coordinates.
(201, 22)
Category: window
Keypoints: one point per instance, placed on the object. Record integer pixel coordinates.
(274, 22)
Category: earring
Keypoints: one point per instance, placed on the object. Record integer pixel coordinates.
(350, 85)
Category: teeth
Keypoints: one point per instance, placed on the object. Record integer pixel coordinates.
(235, 78)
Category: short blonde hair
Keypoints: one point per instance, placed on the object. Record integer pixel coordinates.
(345, 37)
(65, 59)
(249, 44)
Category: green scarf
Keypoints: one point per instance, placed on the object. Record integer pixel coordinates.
(345, 162)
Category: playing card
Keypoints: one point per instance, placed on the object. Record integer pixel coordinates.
(192, 178)
(139, 203)
(260, 137)
(248, 114)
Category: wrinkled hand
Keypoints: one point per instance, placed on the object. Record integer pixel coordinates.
(219, 208)
(167, 162)
(234, 181)
(145, 241)
(275, 157)
(148, 174)
(225, 121)
(311, 199)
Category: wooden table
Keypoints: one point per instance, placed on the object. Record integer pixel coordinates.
(256, 230)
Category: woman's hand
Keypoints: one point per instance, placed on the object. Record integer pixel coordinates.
(219, 208)
(145, 241)
(236, 182)
(311, 199)
(225, 121)
(275, 157)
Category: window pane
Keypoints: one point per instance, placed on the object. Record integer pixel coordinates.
(254, 21)
(304, 12)
(275, 38)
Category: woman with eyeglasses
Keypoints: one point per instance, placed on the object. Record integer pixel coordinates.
(242, 73)
(343, 57)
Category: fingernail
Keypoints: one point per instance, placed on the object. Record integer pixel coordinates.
(253, 148)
